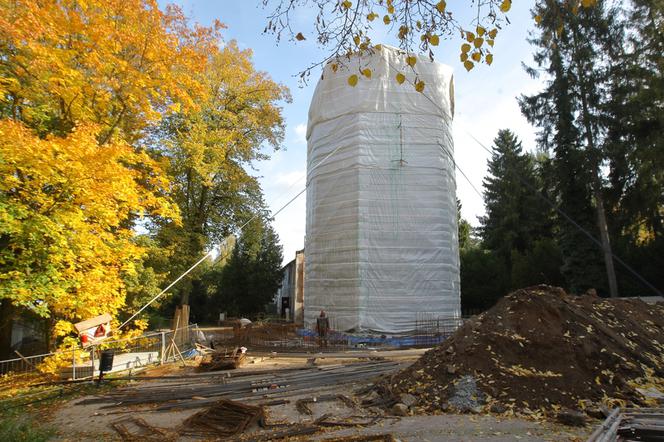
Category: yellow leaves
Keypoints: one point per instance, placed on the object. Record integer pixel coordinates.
(411, 60)
(478, 42)
(390, 9)
(346, 4)
(468, 65)
(372, 16)
(356, 40)
(124, 64)
(476, 56)
(506, 5)
(488, 58)
(299, 37)
(434, 40)
(334, 67)
(465, 47)
(588, 3)
(403, 32)
(538, 19)
(386, 19)
(493, 33)
(419, 86)
(490, 42)
(80, 244)
(366, 72)
(400, 78)
(463, 56)
(352, 80)
(480, 31)
(470, 37)
(440, 6)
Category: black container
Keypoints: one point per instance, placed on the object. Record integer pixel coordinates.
(106, 360)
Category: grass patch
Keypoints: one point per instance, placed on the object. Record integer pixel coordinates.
(23, 427)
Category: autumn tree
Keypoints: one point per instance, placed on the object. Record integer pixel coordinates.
(114, 63)
(345, 28)
(210, 152)
(81, 84)
(65, 207)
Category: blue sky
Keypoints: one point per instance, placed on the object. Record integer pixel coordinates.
(485, 99)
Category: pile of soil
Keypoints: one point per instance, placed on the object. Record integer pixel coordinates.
(540, 350)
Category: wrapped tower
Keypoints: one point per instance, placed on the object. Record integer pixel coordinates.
(381, 234)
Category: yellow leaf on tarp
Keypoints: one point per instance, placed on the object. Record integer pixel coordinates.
(401, 78)
(366, 72)
(419, 86)
(352, 80)
(411, 60)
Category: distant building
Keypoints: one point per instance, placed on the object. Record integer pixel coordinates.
(290, 297)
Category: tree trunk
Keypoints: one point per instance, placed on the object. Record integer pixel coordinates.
(7, 311)
(596, 181)
(604, 237)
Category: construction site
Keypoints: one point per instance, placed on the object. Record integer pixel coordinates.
(394, 359)
(179, 317)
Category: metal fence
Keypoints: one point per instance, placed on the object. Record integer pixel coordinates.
(428, 330)
(131, 353)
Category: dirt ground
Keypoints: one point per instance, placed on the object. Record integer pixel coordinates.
(92, 422)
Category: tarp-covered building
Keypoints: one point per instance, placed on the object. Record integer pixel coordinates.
(381, 230)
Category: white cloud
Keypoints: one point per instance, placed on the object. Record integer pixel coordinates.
(301, 133)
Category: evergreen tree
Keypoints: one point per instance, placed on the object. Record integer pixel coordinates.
(572, 47)
(464, 229)
(253, 273)
(635, 146)
(516, 216)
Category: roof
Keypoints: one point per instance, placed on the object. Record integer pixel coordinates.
(92, 322)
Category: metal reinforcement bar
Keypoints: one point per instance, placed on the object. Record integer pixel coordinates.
(631, 424)
(248, 387)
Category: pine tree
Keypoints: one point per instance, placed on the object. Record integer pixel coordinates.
(516, 216)
(635, 146)
(574, 49)
(253, 273)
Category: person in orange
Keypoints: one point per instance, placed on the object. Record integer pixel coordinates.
(322, 328)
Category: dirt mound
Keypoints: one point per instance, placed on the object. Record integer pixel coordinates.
(539, 350)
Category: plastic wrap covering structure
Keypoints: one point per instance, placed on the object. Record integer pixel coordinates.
(381, 233)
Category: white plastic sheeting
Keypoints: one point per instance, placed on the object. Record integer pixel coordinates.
(381, 233)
